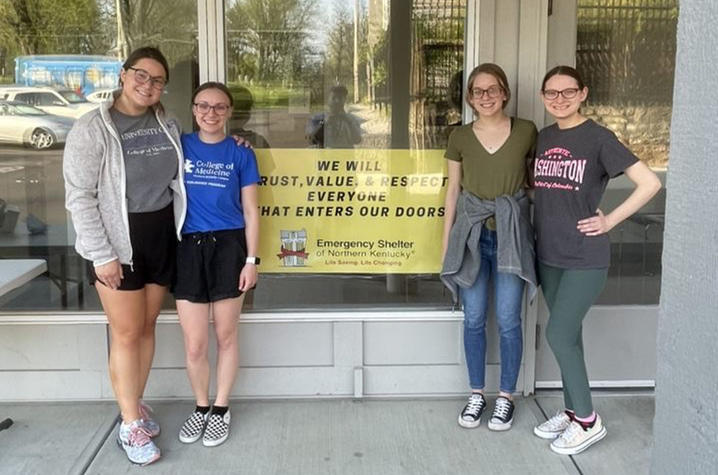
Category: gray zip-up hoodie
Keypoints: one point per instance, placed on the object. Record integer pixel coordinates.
(95, 186)
(515, 248)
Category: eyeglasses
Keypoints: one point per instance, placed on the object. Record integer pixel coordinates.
(142, 77)
(568, 93)
(493, 91)
(204, 108)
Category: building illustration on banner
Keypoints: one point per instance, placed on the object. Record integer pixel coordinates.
(293, 248)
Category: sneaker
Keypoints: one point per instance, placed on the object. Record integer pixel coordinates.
(575, 439)
(553, 427)
(193, 427)
(150, 424)
(217, 429)
(470, 416)
(503, 415)
(135, 439)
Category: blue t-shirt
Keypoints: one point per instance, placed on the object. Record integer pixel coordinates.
(214, 175)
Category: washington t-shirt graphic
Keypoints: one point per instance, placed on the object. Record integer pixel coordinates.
(556, 168)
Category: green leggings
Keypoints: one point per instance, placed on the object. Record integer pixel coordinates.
(569, 294)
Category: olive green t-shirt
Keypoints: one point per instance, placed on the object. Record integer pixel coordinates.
(489, 175)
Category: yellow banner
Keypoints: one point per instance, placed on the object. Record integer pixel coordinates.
(351, 211)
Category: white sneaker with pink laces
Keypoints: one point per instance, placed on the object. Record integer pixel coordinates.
(135, 439)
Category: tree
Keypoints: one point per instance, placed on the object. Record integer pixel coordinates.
(340, 48)
(171, 26)
(49, 26)
(274, 33)
(339, 67)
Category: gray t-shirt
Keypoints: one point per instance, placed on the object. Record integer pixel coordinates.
(150, 161)
(571, 170)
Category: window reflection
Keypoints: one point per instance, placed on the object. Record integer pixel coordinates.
(38, 106)
(320, 75)
(626, 53)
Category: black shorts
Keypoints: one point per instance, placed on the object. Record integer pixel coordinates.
(154, 250)
(209, 264)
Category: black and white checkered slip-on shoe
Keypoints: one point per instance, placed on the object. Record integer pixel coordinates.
(193, 427)
(217, 429)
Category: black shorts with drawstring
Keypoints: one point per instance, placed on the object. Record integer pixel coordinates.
(209, 264)
(154, 246)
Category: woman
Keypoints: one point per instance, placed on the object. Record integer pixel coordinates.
(123, 181)
(488, 236)
(216, 259)
(575, 158)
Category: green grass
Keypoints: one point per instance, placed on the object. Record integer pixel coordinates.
(267, 96)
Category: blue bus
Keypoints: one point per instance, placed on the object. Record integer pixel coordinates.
(81, 73)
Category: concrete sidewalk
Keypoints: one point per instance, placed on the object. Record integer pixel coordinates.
(328, 437)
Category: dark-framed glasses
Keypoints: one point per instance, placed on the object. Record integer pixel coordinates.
(142, 77)
(203, 108)
(493, 91)
(568, 93)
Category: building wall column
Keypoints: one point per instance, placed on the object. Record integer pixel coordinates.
(687, 381)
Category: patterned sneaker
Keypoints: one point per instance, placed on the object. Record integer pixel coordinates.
(150, 424)
(135, 439)
(553, 427)
(503, 415)
(217, 429)
(193, 427)
(575, 439)
(470, 416)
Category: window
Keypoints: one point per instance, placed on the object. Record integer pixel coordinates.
(86, 49)
(29, 98)
(391, 70)
(48, 99)
(626, 53)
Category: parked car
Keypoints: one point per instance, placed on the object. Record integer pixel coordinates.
(24, 124)
(100, 95)
(64, 102)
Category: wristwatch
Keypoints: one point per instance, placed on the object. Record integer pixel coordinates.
(253, 260)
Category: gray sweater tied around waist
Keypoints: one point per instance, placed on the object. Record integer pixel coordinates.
(514, 233)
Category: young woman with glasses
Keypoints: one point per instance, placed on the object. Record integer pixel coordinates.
(575, 158)
(488, 239)
(217, 257)
(123, 181)
(123, 167)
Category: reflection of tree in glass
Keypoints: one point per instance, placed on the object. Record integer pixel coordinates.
(90, 27)
(267, 39)
(169, 26)
(49, 26)
(437, 54)
(44, 26)
(339, 59)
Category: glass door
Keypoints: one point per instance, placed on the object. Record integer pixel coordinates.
(373, 84)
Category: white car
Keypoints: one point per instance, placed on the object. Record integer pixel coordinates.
(63, 102)
(100, 95)
(24, 124)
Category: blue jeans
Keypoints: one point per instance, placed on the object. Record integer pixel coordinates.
(508, 293)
